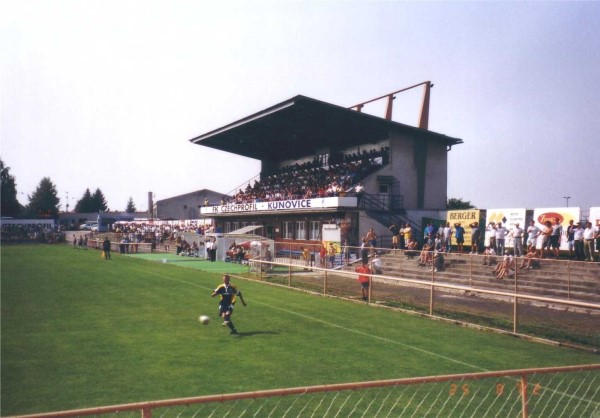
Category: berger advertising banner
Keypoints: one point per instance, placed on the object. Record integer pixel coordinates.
(465, 218)
(562, 215)
(509, 218)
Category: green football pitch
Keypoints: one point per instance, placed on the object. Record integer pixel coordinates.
(78, 332)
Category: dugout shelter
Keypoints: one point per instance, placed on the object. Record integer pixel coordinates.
(301, 142)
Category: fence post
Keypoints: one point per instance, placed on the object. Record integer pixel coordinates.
(290, 275)
(146, 412)
(325, 282)
(431, 291)
(516, 305)
(525, 412)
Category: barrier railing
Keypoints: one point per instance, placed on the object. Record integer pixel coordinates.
(512, 308)
(540, 392)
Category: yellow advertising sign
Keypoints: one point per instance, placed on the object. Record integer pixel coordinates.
(465, 218)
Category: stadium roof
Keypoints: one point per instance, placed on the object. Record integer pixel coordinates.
(298, 126)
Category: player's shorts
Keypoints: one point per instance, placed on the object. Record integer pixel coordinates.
(532, 241)
(571, 244)
(225, 308)
(364, 285)
(395, 239)
(460, 240)
(555, 241)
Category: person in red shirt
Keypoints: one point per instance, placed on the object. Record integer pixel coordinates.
(364, 280)
(323, 256)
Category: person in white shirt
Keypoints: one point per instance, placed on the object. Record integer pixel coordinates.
(447, 236)
(517, 234)
(578, 241)
(501, 232)
(533, 232)
(588, 241)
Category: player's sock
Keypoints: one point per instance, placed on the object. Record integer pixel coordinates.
(230, 325)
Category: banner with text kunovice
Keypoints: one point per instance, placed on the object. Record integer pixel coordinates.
(563, 215)
(280, 205)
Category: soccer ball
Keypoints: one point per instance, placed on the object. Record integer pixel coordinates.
(204, 319)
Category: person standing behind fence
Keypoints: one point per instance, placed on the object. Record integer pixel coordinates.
(407, 232)
(346, 253)
(571, 238)
(372, 237)
(447, 237)
(533, 232)
(555, 237)
(578, 241)
(546, 233)
(501, 232)
(491, 232)
(475, 237)
(588, 241)
(323, 256)
(331, 253)
(364, 251)
(395, 230)
(459, 234)
(517, 234)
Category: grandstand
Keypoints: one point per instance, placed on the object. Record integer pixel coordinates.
(311, 150)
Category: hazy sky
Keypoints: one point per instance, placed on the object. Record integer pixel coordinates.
(107, 94)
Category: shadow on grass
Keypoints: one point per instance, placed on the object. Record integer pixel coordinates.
(254, 333)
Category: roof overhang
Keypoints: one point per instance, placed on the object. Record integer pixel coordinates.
(297, 127)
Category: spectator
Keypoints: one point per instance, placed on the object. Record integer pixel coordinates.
(517, 235)
(530, 259)
(363, 278)
(489, 256)
(475, 237)
(589, 235)
(533, 232)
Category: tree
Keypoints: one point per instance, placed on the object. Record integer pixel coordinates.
(84, 205)
(10, 205)
(43, 203)
(458, 204)
(130, 206)
(99, 201)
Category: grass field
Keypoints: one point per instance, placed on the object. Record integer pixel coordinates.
(78, 332)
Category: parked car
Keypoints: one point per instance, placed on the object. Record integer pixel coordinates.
(89, 226)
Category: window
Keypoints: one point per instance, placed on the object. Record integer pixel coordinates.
(288, 230)
(315, 230)
(300, 230)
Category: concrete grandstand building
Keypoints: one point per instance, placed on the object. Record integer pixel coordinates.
(402, 168)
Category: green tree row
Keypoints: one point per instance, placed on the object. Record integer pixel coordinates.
(44, 202)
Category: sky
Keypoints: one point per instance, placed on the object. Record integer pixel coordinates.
(107, 94)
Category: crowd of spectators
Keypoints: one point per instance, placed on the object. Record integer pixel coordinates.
(160, 231)
(15, 232)
(308, 180)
